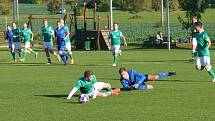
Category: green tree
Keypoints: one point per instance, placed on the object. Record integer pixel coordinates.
(5, 7)
(192, 8)
(53, 6)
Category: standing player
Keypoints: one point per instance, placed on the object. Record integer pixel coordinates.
(48, 33)
(61, 34)
(88, 85)
(203, 53)
(192, 37)
(115, 36)
(16, 43)
(68, 43)
(132, 80)
(9, 37)
(28, 38)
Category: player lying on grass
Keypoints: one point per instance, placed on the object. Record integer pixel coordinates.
(88, 85)
(132, 80)
(203, 53)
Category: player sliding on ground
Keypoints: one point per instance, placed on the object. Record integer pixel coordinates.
(132, 80)
(88, 85)
(203, 53)
(28, 38)
(48, 33)
(115, 37)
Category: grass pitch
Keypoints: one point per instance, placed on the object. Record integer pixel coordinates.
(33, 91)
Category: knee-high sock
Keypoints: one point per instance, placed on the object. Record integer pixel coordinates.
(63, 57)
(211, 73)
(71, 55)
(14, 56)
(24, 55)
(162, 75)
(115, 59)
(193, 54)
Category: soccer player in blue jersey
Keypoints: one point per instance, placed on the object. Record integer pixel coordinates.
(61, 35)
(132, 80)
(88, 85)
(9, 37)
(68, 43)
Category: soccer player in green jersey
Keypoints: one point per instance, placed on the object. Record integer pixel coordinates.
(115, 37)
(88, 85)
(48, 33)
(68, 43)
(16, 42)
(28, 38)
(192, 37)
(203, 53)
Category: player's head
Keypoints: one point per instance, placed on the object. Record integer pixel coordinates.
(115, 26)
(88, 75)
(13, 24)
(61, 21)
(58, 24)
(123, 72)
(199, 27)
(24, 25)
(8, 27)
(194, 19)
(45, 22)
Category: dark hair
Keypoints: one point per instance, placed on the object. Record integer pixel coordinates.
(199, 24)
(88, 73)
(122, 69)
(45, 20)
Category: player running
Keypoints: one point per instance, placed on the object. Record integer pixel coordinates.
(9, 37)
(48, 33)
(88, 85)
(60, 33)
(115, 37)
(192, 37)
(28, 38)
(68, 43)
(16, 41)
(132, 80)
(203, 53)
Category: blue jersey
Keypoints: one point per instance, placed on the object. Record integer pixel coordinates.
(9, 37)
(61, 40)
(134, 78)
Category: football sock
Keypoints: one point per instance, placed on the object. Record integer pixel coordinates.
(193, 54)
(14, 56)
(163, 75)
(211, 73)
(115, 59)
(49, 59)
(55, 54)
(71, 55)
(24, 55)
(105, 94)
(110, 88)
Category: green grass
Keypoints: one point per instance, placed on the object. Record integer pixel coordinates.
(33, 91)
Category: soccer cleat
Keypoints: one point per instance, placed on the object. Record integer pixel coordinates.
(172, 73)
(36, 54)
(114, 64)
(213, 80)
(22, 60)
(72, 62)
(48, 63)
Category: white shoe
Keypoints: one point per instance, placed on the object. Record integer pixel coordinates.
(213, 80)
(114, 64)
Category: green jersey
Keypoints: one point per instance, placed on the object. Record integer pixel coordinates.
(47, 32)
(85, 86)
(67, 30)
(115, 37)
(202, 44)
(17, 33)
(26, 34)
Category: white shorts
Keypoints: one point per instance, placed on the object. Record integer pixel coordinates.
(27, 44)
(203, 61)
(68, 46)
(115, 49)
(16, 46)
(194, 41)
(97, 87)
(47, 45)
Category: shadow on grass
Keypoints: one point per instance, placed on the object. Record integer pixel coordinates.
(56, 96)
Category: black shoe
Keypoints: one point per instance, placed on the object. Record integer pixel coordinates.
(172, 73)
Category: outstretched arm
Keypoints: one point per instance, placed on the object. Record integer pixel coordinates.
(124, 40)
(72, 92)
